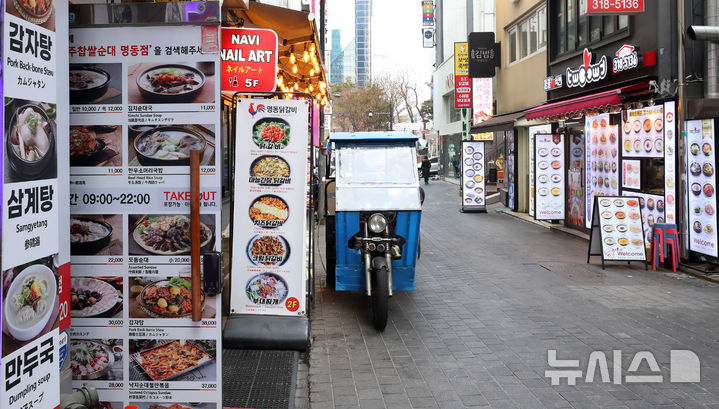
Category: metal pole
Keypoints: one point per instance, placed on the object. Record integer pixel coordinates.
(681, 138)
(391, 116)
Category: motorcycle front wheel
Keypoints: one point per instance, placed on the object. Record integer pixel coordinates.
(380, 298)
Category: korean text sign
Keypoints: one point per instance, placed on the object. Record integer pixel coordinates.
(249, 59)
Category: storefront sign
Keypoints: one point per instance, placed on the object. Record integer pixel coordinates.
(549, 177)
(249, 60)
(462, 82)
(130, 189)
(484, 136)
(35, 290)
(594, 7)
(670, 162)
(270, 223)
(701, 180)
(616, 230)
(533, 131)
(473, 170)
(643, 132)
(427, 37)
(482, 100)
(428, 13)
(553, 82)
(587, 73)
(626, 58)
(601, 160)
(484, 55)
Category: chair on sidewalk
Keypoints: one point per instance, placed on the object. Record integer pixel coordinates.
(665, 239)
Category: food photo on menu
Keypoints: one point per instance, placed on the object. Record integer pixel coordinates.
(166, 297)
(96, 235)
(96, 83)
(155, 83)
(267, 289)
(40, 12)
(96, 145)
(643, 132)
(30, 306)
(167, 235)
(96, 359)
(269, 211)
(270, 133)
(268, 250)
(154, 405)
(160, 145)
(652, 211)
(96, 297)
(30, 140)
(270, 170)
(173, 360)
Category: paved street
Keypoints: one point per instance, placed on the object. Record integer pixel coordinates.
(495, 293)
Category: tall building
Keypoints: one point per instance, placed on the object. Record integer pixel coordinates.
(336, 58)
(363, 42)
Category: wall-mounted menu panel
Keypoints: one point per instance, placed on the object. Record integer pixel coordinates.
(549, 177)
(643, 132)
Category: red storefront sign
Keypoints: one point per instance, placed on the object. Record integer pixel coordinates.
(249, 60)
(614, 6)
(462, 91)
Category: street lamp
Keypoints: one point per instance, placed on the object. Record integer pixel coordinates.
(371, 113)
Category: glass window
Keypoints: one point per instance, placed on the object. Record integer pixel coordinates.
(513, 45)
(561, 31)
(595, 28)
(533, 34)
(523, 37)
(571, 25)
(542, 17)
(583, 26)
(377, 164)
(610, 23)
(623, 22)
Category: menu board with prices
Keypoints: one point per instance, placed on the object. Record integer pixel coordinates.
(632, 174)
(269, 223)
(701, 180)
(653, 211)
(534, 130)
(616, 231)
(549, 177)
(473, 183)
(643, 132)
(141, 100)
(602, 160)
(35, 271)
(670, 162)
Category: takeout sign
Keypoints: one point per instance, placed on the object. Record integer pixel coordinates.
(249, 60)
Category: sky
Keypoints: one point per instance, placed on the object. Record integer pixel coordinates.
(396, 37)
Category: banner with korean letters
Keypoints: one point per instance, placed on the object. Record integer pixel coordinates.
(141, 99)
(35, 251)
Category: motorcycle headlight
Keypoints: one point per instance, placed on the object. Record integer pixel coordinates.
(377, 223)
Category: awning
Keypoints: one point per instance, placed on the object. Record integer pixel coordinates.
(498, 123)
(602, 99)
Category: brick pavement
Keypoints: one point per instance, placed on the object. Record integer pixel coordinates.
(493, 294)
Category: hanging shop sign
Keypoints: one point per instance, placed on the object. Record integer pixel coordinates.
(462, 82)
(482, 100)
(588, 72)
(270, 224)
(702, 203)
(549, 177)
(473, 183)
(643, 132)
(484, 55)
(249, 60)
(427, 37)
(533, 131)
(601, 160)
(670, 162)
(616, 230)
(427, 13)
(138, 109)
(598, 7)
(625, 59)
(553, 82)
(35, 289)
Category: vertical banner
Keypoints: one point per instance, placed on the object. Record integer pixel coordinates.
(482, 100)
(601, 160)
(509, 169)
(142, 98)
(462, 82)
(670, 162)
(549, 175)
(533, 131)
(473, 183)
(269, 223)
(35, 259)
(701, 182)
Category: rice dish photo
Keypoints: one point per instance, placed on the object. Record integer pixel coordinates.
(269, 211)
(270, 170)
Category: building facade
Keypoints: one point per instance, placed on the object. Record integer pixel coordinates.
(363, 42)
(336, 58)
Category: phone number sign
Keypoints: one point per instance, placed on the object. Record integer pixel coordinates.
(249, 60)
(614, 6)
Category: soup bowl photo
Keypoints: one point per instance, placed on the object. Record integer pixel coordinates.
(30, 328)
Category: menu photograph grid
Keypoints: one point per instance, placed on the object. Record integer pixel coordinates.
(621, 228)
(643, 132)
(549, 174)
(702, 187)
(473, 174)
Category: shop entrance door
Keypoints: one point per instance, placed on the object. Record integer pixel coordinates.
(575, 179)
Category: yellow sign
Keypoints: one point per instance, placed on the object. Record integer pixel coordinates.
(461, 59)
(484, 136)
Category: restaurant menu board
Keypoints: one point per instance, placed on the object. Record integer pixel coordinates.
(574, 178)
(643, 132)
(269, 223)
(631, 174)
(35, 273)
(602, 160)
(534, 130)
(510, 177)
(702, 203)
(652, 208)
(670, 162)
(619, 225)
(141, 99)
(473, 188)
(549, 177)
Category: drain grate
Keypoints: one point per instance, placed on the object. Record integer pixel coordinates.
(259, 379)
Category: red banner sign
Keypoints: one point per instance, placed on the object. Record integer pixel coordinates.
(249, 60)
(614, 6)
(462, 91)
